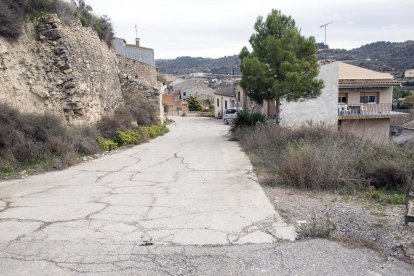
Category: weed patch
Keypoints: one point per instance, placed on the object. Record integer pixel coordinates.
(317, 228)
(318, 158)
(383, 196)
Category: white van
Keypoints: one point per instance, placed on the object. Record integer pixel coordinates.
(229, 115)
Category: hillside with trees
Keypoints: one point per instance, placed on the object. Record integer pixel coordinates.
(393, 57)
(383, 56)
(185, 65)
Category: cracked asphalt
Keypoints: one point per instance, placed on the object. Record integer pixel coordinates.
(186, 203)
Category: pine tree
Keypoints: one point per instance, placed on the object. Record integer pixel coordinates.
(282, 64)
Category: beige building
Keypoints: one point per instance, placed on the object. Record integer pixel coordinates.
(365, 102)
(173, 106)
(354, 99)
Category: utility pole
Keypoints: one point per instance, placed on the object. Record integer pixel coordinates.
(324, 26)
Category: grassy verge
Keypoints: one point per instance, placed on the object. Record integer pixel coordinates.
(33, 143)
(317, 158)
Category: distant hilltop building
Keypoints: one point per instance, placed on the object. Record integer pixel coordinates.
(135, 52)
(196, 75)
(409, 73)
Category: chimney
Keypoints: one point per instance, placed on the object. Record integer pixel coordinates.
(137, 42)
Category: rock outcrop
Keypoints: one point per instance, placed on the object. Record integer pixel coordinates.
(67, 70)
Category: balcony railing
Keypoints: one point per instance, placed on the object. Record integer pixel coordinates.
(383, 110)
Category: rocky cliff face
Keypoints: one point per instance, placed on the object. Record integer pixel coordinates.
(66, 70)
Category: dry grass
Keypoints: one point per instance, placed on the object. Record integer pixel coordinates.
(317, 158)
(42, 142)
(26, 139)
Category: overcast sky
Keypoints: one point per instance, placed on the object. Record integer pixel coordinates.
(216, 28)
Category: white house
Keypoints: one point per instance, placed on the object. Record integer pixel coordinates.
(224, 98)
(192, 87)
(135, 52)
(353, 98)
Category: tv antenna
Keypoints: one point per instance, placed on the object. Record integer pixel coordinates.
(324, 26)
(136, 32)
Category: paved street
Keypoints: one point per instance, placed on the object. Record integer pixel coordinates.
(183, 204)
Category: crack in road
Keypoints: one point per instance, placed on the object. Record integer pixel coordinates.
(140, 198)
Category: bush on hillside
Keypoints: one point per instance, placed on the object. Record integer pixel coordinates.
(13, 14)
(108, 126)
(43, 141)
(142, 110)
(30, 138)
(144, 113)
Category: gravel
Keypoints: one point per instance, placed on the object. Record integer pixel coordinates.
(358, 222)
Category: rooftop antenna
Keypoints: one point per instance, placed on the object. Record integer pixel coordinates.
(324, 26)
(136, 37)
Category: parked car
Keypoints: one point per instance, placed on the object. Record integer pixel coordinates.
(229, 115)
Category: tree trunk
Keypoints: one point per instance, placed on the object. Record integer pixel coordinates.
(271, 109)
(277, 111)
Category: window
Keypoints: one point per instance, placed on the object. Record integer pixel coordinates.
(238, 96)
(370, 98)
(225, 104)
(184, 94)
(218, 102)
(342, 99)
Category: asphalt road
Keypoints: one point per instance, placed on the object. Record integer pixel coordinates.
(186, 203)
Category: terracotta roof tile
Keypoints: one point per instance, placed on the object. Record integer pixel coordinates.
(367, 82)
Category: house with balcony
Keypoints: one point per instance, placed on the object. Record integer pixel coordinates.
(365, 102)
(353, 99)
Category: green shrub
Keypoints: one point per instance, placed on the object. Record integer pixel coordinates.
(127, 137)
(104, 29)
(107, 144)
(194, 104)
(153, 131)
(383, 196)
(246, 118)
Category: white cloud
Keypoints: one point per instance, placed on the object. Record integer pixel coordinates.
(213, 28)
